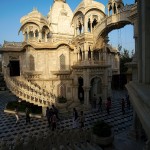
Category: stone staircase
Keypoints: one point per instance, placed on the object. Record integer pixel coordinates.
(29, 91)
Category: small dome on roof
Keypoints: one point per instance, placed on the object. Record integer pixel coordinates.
(89, 4)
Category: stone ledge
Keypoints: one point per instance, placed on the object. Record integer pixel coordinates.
(139, 97)
(22, 113)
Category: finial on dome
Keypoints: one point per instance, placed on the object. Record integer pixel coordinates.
(34, 9)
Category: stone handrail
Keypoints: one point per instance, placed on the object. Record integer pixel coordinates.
(27, 91)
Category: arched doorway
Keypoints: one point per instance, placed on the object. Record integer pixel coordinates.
(80, 90)
(96, 89)
(14, 66)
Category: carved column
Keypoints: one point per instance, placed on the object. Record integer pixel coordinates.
(40, 34)
(92, 56)
(75, 88)
(86, 96)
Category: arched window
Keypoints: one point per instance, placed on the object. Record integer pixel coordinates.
(62, 62)
(80, 27)
(43, 34)
(36, 33)
(114, 9)
(26, 36)
(31, 34)
(89, 25)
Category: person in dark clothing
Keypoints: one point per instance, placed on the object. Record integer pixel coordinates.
(48, 116)
(100, 104)
(55, 111)
(27, 111)
(54, 122)
(75, 118)
(82, 120)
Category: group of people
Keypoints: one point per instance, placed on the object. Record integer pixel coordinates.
(52, 117)
(78, 120)
(98, 104)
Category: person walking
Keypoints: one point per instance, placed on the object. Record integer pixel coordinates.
(55, 110)
(16, 114)
(82, 119)
(27, 111)
(75, 118)
(54, 121)
(48, 116)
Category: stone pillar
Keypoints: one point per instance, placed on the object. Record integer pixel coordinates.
(145, 28)
(86, 55)
(136, 38)
(40, 35)
(46, 38)
(86, 96)
(82, 28)
(86, 86)
(92, 56)
(75, 88)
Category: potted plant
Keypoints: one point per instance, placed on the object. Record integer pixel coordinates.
(102, 133)
(61, 99)
(61, 102)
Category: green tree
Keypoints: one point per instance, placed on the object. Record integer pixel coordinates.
(125, 57)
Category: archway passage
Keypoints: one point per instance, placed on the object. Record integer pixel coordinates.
(95, 91)
(119, 81)
(80, 90)
(14, 67)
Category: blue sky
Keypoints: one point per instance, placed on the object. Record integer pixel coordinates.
(12, 10)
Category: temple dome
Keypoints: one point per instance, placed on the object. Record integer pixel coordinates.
(60, 16)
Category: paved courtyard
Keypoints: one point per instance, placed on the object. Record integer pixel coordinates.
(121, 123)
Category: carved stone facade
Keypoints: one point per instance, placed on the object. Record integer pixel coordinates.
(66, 53)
